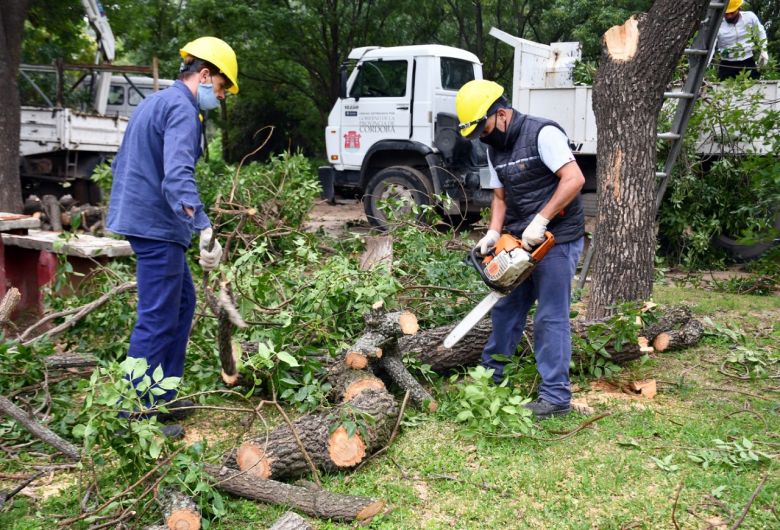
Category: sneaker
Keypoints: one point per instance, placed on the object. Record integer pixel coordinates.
(172, 432)
(544, 409)
(177, 411)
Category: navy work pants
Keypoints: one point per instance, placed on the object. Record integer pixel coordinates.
(550, 285)
(166, 305)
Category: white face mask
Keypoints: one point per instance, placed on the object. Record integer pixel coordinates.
(207, 99)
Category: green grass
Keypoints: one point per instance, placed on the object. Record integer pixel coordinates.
(602, 477)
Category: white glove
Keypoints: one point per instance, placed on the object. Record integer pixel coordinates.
(488, 241)
(763, 58)
(534, 232)
(209, 260)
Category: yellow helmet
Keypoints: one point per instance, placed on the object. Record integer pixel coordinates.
(733, 5)
(217, 52)
(473, 102)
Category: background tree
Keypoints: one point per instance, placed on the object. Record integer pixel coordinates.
(638, 60)
(12, 15)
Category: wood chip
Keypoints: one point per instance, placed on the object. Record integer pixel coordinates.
(646, 389)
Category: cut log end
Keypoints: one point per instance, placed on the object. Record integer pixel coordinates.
(252, 459)
(370, 510)
(344, 450)
(661, 342)
(230, 380)
(184, 520)
(356, 360)
(622, 41)
(367, 383)
(408, 323)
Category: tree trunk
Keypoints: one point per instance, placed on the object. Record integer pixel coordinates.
(688, 335)
(12, 15)
(317, 503)
(637, 62)
(277, 454)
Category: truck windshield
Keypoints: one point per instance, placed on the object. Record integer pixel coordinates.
(380, 79)
(455, 73)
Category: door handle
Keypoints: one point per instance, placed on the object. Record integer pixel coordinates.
(402, 107)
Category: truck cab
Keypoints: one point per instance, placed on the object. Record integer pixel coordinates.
(393, 132)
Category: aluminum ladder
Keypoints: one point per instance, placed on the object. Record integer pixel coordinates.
(699, 55)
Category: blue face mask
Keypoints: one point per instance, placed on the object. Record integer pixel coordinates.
(207, 99)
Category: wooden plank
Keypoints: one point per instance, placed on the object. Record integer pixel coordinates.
(81, 245)
(15, 221)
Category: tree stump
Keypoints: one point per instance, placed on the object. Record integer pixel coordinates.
(179, 511)
(317, 503)
(323, 435)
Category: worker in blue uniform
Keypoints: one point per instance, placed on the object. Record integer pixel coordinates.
(155, 204)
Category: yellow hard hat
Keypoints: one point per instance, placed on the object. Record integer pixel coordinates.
(472, 103)
(217, 52)
(733, 5)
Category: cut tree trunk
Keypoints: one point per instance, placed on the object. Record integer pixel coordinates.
(291, 521)
(277, 454)
(179, 511)
(67, 448)
(688, 335)
(53, 211)
(394, 367)
(317, 503)
(379, 250)
(347, 383)
(637, 62)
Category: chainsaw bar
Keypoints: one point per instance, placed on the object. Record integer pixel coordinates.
(470, 320)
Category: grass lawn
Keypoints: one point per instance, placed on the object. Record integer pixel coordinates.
(630, 469)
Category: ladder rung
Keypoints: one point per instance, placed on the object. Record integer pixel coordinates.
(660, 174)
(717, 5)
(695, 51)
(668, 136)
(680, 95)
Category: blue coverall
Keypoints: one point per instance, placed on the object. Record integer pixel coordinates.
(153, 183)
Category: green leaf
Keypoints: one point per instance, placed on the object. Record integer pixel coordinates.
(158, 374)
(170, 383)
(287, 358)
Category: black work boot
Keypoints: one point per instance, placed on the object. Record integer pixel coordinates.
(543, 409)
(172, 432)
(177, 411)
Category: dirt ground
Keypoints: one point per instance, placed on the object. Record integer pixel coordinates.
(336, 219)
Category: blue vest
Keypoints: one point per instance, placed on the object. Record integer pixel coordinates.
(529, 184)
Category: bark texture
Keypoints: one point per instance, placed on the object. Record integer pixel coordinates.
(637, 62)
(317, 503)
(12, 16)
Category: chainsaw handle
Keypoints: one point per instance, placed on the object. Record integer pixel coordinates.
(475, 260)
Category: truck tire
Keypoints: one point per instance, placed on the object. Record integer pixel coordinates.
(399, 183)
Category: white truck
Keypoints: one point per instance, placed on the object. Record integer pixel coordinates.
(393, 132)
(59, 146)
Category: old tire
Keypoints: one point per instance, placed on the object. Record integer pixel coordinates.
(401, 183)
(741, 252)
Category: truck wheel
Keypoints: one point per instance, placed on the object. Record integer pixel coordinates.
(396, 183)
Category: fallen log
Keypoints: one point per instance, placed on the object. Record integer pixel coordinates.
(347, 383)
(391, 324)
(317, 503)
(67, 361)
(291, 521)
(426, 346)
(327, 442)
(67, 448)
(394, 367)
(179, 511)
(8, 304)
(688, 335)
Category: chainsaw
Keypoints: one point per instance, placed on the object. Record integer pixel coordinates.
(502, 269)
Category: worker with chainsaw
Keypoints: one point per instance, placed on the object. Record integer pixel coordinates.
(536, 183)
(741, 43)
(155, 204)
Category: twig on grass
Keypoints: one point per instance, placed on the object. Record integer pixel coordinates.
(674, 506)
(750, 502)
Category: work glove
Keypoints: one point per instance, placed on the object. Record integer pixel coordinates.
(763, 58)
(534, 232)
(209, 259)
(488, 242)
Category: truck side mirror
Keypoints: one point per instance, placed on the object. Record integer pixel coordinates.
(343, 80)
